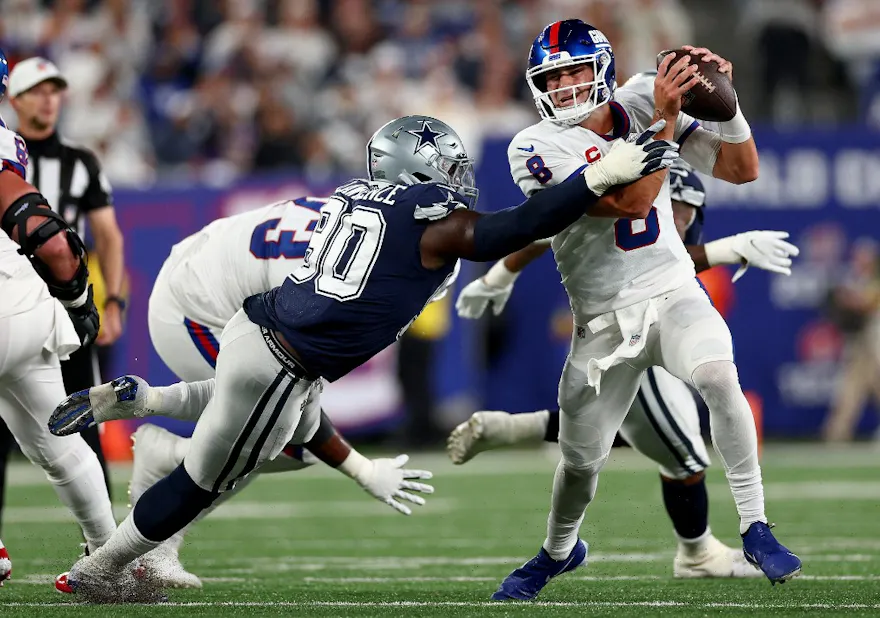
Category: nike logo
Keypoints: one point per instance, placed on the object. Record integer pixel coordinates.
(529, 149)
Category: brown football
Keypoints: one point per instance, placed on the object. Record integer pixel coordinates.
(714, 97)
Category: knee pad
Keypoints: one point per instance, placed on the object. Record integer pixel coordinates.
(64, 465)
(715, 378)
(579, 460)
(169, 505)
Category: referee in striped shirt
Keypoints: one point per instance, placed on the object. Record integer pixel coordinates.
(71, 179)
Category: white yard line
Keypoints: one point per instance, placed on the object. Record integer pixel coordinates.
(482, 604)
(42, 579)
(596, 578)
(238, 510)
(392, 563)
(506, 462)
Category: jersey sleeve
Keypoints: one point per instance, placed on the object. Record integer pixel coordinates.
(99, 193)
(434, 201)
(701, 149)
(13, 152)
(536, 163)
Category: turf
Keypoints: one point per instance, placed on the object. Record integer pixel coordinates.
(312, 544)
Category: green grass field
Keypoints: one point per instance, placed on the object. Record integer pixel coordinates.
(313, 544)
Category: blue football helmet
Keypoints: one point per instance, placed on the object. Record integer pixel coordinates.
(565, 44)
(4, 74)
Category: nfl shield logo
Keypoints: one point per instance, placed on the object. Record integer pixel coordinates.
(634, 339)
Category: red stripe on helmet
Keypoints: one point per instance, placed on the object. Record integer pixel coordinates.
(553, 37)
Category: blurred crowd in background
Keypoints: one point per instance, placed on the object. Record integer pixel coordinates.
(209, 90)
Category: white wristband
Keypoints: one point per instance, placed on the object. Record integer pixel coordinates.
(737, 129)
(721, 252)
(355, 465)
(499, 276)
(77, 302)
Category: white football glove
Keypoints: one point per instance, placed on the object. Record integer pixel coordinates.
(386, 480)
(628, 161)
(762, 249)
(476, 296)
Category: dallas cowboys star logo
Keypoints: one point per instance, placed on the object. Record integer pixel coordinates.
(426, 136)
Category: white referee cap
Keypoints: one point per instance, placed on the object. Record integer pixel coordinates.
(31, 72)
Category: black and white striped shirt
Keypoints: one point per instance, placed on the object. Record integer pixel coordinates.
(69, 177)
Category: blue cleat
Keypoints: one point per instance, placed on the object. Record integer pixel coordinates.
(124, 397)
(762, 549)
(527, 581)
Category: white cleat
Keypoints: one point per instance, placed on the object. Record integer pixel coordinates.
(92, 581)
(155, 457)
(163, 565)
(717, 561)
(485, 431)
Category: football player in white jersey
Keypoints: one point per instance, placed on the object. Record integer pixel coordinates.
(46, 312)
(632, 287)
(663, 422)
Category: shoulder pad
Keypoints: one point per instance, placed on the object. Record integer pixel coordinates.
(433, 201)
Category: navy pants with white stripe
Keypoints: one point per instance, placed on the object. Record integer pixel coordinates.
(664, 425)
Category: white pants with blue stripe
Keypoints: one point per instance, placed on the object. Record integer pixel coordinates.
(188, 348)
(653, 412)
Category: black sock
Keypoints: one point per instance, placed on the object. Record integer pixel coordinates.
(687, 503)
(552, 433)
(169, 505)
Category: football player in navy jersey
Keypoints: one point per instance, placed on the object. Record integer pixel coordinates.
(382, 249)
(663, 422)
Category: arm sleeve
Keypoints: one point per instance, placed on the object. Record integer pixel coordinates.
(544, 214)
(99, 193)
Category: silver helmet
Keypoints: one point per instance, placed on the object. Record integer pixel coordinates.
(416, 149)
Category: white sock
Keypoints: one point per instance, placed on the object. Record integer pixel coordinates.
(697, 546)
(185, 400)
(734, 437)
(573, 490)
(126, 544)
(529, 426)
(79, 482)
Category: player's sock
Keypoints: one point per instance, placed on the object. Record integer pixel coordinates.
(687, 504)
(551, 433)
(696, 546)
(79, 483)
(169, 506)
(734, 436)
(185, 400)
(526, 427)
(573, 490)
(126, 544)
